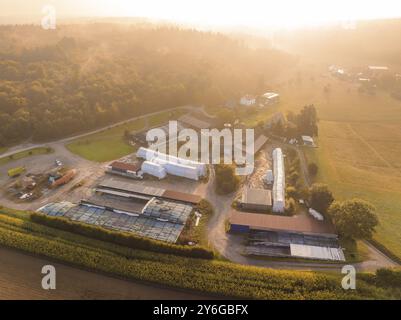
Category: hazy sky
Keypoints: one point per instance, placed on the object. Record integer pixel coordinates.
(223, 12)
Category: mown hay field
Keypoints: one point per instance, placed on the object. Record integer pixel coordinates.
(359, 146)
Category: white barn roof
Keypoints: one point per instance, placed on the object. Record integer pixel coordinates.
(315, 252)
(279, 181)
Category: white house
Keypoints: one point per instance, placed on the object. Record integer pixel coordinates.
(270, 98)
(248, 100)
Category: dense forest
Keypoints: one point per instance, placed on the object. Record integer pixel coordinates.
(78, 77)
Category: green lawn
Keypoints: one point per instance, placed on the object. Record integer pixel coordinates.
(359, 147)
(110, 144)
(24, 154)
(211, 277)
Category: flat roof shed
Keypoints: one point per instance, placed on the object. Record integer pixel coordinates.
(302, 224)
(194, 122)
(256, 199)
(124, 166)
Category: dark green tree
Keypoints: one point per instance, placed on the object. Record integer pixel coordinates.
(320, 197)
(354, 219)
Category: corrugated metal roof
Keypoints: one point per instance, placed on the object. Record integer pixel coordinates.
(315, 252)
(142, 225)
(299, 224)
(136, 188)
(170, 211)
(259, 143)
(150, 191)
(194, 122)
(123, 194)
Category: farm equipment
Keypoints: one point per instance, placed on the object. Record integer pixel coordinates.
(15, 172)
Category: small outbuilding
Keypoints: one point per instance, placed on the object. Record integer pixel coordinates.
(130, 170)
(270, 98)
(248, 100)
(256, 200)
(308, 141)
(268, 177)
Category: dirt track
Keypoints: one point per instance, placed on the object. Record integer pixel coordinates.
(20, 278)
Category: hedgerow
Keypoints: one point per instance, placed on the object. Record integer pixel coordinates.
(121, 238)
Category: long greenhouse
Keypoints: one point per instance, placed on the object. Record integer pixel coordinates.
(279, 181)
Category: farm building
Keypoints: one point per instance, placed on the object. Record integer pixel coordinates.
(378, 68)
(160, 219)
(141, 136)
(174, 165)
(130, 170)
(153, 169)
(244, 222)
(167, 210)
(259, 143)
(270, 98)
(256, 200)
(268, 177)
(231, 148)
(279, 181)
(308, 141)
(279, 236)
(178, 169)
(125, 189)
(248, 100)
(196, 123)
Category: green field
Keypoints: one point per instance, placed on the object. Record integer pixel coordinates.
(212, 277)
(359, 147)
(24, 154)
(110, 144)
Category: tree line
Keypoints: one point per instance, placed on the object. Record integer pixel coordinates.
(57, 83)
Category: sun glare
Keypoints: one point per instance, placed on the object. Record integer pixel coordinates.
(255, 13)
(251, 13)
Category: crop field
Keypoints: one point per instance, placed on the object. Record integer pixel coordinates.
(207, 276)
(110, 144)
(24, 154)
(359, 147)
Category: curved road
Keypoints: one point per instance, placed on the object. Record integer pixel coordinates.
(27, 146)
